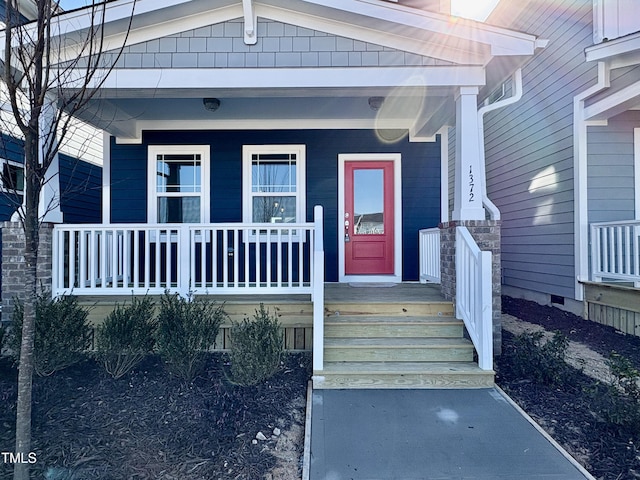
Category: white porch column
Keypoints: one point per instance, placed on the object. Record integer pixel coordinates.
(469, 181)
(49, 208)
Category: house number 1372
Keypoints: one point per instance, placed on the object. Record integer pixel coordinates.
(471, 184)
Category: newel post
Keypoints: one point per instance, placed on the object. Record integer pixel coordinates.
(317, 296)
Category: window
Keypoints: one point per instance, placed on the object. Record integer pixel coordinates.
(12, 176)
(274, 182)
(178, 182)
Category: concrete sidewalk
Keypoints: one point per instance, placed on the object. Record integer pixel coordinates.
(429, 434)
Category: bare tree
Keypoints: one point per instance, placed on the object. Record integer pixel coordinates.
(49, 77)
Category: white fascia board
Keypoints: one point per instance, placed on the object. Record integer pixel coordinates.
(398, 37)
(261, 78)
(169, 26)
(614, 104)
(502, 39)
(498, 41)
(612, 48)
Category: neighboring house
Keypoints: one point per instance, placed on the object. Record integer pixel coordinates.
(261, 146)
(80, 175)
(567, 158)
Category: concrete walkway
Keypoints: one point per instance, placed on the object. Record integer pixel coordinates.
(429, 434)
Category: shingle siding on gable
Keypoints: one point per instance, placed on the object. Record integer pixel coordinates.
(611, 169)
(529, 150)
(279, 45)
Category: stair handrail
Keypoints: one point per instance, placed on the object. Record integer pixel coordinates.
(474, 295)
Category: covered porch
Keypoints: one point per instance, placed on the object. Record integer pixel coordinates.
(216, 90)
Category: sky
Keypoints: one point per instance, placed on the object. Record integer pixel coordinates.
(71, 4)
(475, 9)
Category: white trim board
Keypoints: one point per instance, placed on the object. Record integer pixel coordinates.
(301, 179)
(397, 202)
(636, 170)
(205, 179)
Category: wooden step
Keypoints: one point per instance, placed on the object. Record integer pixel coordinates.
(405, 309)
(375, 375)
(398, 350)
(367, 326)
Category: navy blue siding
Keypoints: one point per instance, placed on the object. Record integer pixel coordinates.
(80, 187)
(81, 191)
(128, 183)
(420, 167)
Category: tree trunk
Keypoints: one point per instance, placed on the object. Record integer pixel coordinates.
(25, 369)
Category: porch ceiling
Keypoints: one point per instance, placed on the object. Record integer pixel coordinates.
(128, 113)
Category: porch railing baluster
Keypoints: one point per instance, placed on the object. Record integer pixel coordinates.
(429, 245)
(124, 259)
(615, 252)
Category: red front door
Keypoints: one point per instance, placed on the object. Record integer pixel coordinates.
(368, 222)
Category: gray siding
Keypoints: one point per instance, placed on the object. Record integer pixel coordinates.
(529, 150)
(279, 45)
(611, 169)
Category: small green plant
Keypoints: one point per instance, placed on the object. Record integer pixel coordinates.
(62, 332)
(187, 329)
(625, 376)
(126, 336)
(541, 361)
(256, 348)
(618, 404)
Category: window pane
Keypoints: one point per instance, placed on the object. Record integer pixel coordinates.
(178, 175)
(274, 209)
(273, 173)
(12, 177)
(179, 210)
(368, 201)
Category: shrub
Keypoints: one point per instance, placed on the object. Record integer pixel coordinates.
(62, 332)
(256, 348)
(542, 362)
(625, 376)
(126, 336)
(186, 331)
(621, 403)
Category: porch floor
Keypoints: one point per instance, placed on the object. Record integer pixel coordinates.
(333, 293)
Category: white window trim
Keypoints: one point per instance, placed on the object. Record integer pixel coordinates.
(3, 162)
(396, 158)
(205, 198)
(301, 194)
(636, 169)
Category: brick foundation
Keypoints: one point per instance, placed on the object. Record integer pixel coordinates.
(486, 233)
(13, 271)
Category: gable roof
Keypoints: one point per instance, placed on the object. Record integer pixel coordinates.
(464, 53)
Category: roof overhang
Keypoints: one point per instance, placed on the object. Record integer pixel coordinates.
(419, 99)
(623, 91)
(621, 52)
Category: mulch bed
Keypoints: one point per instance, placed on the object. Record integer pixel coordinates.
(148, 425)
(573, 412)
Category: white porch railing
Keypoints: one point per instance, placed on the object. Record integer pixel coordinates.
(429, 240)
(615, 251)
(474, 295)
(212, 258)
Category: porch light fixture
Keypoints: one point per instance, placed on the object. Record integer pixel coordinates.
(211, 104)
(375, 103)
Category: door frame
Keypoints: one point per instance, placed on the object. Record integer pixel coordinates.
(396, 277)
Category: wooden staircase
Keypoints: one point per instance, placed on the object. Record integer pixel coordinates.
(397, 345)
